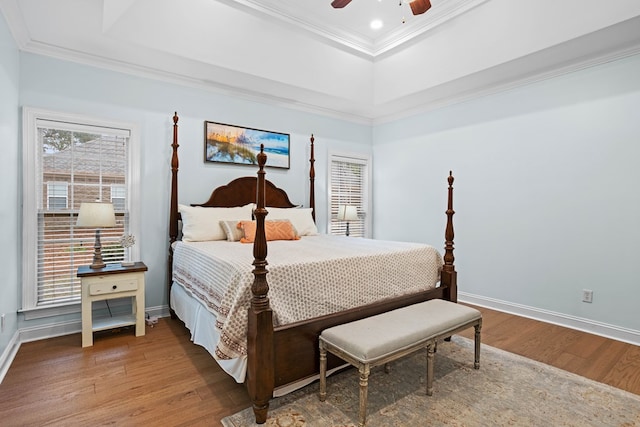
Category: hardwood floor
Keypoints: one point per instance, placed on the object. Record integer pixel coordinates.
(164, 379)
(600, 359)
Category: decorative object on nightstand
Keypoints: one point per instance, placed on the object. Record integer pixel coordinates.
(347, 213)
(96, 215)
(113, 281)
(127, 241)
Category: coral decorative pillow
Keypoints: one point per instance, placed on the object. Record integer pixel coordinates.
(274, 230)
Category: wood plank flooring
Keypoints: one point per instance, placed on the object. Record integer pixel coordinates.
(162, 379)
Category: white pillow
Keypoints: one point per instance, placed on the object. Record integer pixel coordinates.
(300, 218)
(200, 224)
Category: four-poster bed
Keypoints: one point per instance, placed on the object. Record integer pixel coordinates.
(279, 324)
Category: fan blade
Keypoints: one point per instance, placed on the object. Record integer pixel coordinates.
(419, 7)
(338, 4)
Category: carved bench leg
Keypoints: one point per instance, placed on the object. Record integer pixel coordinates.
(323, 372)
(431, 348)
(476, 363)
(364, 382)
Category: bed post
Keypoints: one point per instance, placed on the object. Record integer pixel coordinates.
(260, 367)
(173, 208)
(312, 178)
(449, 276)
(173, 215)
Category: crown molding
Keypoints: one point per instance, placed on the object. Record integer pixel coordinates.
(435, 17)
(222, 88)
(616, 42)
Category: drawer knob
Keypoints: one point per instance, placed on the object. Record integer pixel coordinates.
(114, 287)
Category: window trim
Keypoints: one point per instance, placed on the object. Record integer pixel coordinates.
(361, 158)
(30, 165)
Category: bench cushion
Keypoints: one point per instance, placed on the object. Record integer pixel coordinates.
(377, 336)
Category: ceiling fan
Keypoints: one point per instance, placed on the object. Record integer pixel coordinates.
(417, 6)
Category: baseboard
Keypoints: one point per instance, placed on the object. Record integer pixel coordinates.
(51, 330)
(158, 311)
(630, 336)
(609, 331)
(7, 356)
(57, 329)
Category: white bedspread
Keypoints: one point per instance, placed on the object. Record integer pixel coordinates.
(310, 277)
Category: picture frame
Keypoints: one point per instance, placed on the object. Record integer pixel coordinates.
(225, 143)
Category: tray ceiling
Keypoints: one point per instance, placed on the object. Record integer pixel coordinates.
(304, 54)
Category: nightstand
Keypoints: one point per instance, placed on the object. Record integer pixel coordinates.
(112, 281)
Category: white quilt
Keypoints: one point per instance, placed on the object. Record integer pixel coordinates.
(307, 278)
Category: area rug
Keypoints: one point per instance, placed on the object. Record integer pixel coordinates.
(507, 390)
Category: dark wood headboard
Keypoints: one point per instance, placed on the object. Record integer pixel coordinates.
(242, 191)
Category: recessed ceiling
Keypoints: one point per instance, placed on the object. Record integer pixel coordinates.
(306, 55)
(350, 27)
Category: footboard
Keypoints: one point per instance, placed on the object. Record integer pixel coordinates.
(284, 355)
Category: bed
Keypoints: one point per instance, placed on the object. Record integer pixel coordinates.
(261, 320)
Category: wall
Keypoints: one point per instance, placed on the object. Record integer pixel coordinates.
(546, 195)
(545, 176)
(9, 208)
(64, 86)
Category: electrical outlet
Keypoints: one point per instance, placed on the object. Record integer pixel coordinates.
(587, 295)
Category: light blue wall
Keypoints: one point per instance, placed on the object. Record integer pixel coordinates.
(546, 191)
(9, 190)
(64, 86)
(545, 175)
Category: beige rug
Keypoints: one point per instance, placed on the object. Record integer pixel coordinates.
(508, 390)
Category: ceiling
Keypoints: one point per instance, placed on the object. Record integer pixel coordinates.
(304, 54)
(349, 28)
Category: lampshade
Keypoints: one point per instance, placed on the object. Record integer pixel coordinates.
(96, 215)
(347, 213)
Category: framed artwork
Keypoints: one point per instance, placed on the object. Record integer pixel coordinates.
(239, 145)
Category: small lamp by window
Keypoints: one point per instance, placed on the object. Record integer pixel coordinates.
(96, 215)
(347, 213)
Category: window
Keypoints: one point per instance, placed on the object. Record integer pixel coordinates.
(349, 185)
(69, 160)
(57, 196)
(118, 197)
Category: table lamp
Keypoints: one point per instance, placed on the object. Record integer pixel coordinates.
(96, 215)
(347, 213)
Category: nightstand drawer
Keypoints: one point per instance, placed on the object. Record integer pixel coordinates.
(108, 286)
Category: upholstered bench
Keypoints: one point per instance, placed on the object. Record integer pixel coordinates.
(388, 336)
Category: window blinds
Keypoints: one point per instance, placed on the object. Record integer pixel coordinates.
(348, 187)
(90, 162)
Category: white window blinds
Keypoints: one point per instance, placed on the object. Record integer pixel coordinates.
(349, 180)
(74, 163)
